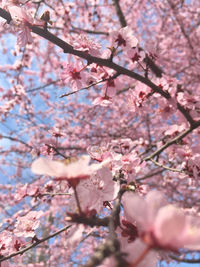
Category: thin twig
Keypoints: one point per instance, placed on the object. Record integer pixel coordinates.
(20, 252)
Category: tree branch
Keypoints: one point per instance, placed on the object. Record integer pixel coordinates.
(67, 48)
(20, 252)
(172, 141)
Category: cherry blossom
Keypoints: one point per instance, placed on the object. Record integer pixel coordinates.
(87, 45)
(118, 80)
(160, 224)
(5, 242)
(26, 225)
(99, 188)
(23, 20)
(149, 260)
(123, 38)
(73, 75)
(79, 169)
(102, 101)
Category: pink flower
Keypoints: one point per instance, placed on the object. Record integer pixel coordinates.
(79, 169)
(99, 188)
(193, 166)
(132, 252)
(24, 37)
(5, 243)
(26, 225)
(135, 56)
(73, 76)
(135, 249)
(23, 20)
(87, 45)
(20, 16)
(47, 150)
(56, 132)
(98, 153)
(21, 192)
(74, 236)
(102, 101)
(167, 107)
(160, 224)
(123, 38)
(189, 101)
(7, 3)
(175, 129)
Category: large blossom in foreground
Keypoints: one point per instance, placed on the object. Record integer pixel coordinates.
(79, 169)
(161, 225)
(132, 252)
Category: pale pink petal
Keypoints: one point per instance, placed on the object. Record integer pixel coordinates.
(78, 169)
(135, 249)
(170, 226)
(135, 208)
(48, 167)
(154, 200)
(19, 14)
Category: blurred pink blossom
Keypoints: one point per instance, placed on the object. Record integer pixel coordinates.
(79, 169)
(161, 224)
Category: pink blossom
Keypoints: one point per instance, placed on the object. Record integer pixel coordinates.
(56, 132)
(123, 38)
(21, 192)
(138, 247)
(110, 87)
(5, 243)
(47, 150)
(73, 75)
(137, 97)
(135, 56)
(87, 45)
(193, 165)
(5, 264)
(98, 153)
(79, 169)
(74, 236)
(102, 101)
(160, 224)
(26, 225)
(167, 107)
(7, 3)
(20, 16)
(132, 252)
(24, 37)
(132, 163)
(175, 129)
(23, 20)
(99, 188)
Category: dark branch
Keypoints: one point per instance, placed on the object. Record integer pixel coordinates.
(67, 48)
(173, 141)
